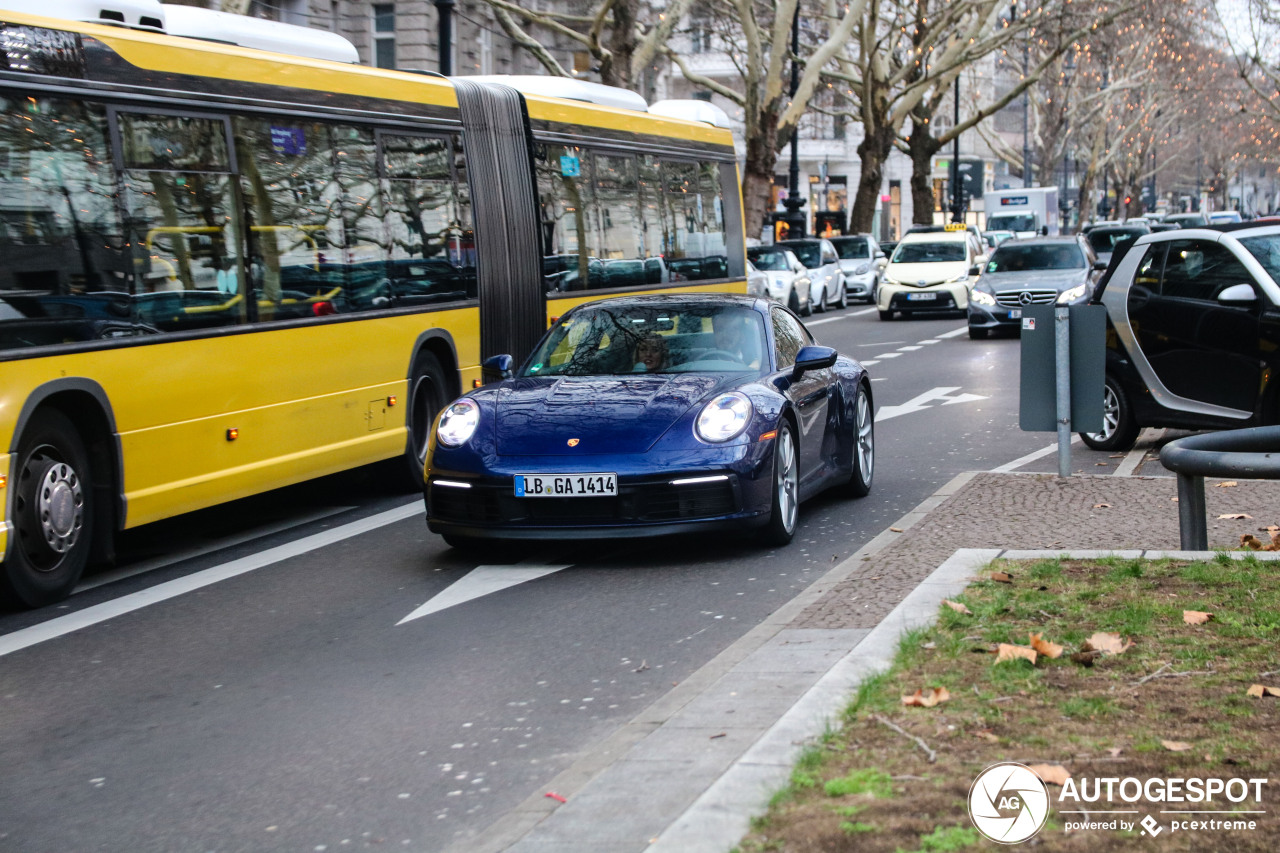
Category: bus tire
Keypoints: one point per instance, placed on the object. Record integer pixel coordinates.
(53, 512)
(427, 396)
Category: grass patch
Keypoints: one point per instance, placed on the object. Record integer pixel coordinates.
(1111, 719)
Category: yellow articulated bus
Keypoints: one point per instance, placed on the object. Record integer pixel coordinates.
(225, 270)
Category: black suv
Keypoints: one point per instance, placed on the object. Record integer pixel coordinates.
(1193, 332)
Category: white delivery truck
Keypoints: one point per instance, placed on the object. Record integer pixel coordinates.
(1027, 212)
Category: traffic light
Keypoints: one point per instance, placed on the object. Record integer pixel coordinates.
(780, 230)
(1128, 200)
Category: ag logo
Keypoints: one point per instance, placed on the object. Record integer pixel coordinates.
(1008, 803)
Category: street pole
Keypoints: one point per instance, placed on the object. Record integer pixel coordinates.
(793, 204)
(957, 196)
(1026, 112)
(444, 37)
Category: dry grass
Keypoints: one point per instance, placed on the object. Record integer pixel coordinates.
(868, 787)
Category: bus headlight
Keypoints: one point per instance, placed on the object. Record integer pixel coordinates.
(458, 423)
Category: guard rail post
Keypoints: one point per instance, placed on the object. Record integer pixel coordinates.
(1252, 453)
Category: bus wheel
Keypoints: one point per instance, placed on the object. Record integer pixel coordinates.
(52, 512)
(426, 398)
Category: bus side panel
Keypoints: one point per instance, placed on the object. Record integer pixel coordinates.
(304, 402)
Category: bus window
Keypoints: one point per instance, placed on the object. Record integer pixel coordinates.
(178, 194)
(364, 234)
(284, 169)
(562, 193)
(617, 220)
(59, 224)
(432, 257)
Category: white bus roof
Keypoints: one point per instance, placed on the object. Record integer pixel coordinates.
(692, 110)
(193, 22)
(570, 89)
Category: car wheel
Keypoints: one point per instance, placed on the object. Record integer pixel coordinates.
(794, 302)
(427, 397)
(976, 334)
(886, 315)
(843, 301)
(875, 293)
(784, 507)
(821, 307)
(807, 311)
(1119, 429)
(52, 512)
(864, 446)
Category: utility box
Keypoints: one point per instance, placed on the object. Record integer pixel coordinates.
(1037, 404)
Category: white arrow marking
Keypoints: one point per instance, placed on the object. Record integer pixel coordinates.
(479, 582)
(923, 401)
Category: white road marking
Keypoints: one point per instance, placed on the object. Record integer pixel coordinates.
(889, 355)
(909, 349)
(954, 333)
(63, 625)
(922, 402)
(1130, 462)
(1031, 457)
(479, 582)
(879, 379)
(930, 341)
(104, 578)
(882, 344)
(844, 316)
(868, 363)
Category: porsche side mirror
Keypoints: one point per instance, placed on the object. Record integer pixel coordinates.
(813, 358)
(495, 368)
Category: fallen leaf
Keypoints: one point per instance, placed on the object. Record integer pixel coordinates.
(957, 607)
(1008, 651)
(1116, 456)
(895, 529)
(553, 795)
(721, 734)
(1102, 464)
(987, 736)
(1086, 658)
(1051, 774)
(1002, 577)
(1196, 617)
(1107, 643)
(1175, 500)
(1248, 540)
(1114, 752)
(1102, 506)
(1046, 648)
(926, 699)
(1258, 691)
(1226, 485)
(1175, 745)
(1235, 515)
(1270, 528)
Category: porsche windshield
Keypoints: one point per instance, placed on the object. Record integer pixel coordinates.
(610, 340)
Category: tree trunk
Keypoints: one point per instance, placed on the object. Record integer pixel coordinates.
(872, 151)
(757, 174)
(621, 42)
(921, 146)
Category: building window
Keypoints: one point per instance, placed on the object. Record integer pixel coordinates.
(702, 95)
(384, 35)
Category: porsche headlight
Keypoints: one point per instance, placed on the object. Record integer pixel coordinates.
(1073, 294)
(458, 423)
(981, 297)
(724, 418)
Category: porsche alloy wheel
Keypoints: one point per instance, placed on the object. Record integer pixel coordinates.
(864, 446)
(785, 505)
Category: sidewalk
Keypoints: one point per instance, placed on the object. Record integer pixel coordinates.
(688, 774)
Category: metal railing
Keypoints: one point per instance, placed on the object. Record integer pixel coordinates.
(1251, 454)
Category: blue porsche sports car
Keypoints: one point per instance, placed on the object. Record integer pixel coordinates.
(649, 415)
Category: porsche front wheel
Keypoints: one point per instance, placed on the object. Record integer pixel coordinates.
(864, 446)
(784, 503)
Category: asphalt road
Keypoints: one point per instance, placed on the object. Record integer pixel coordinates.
(279, 674)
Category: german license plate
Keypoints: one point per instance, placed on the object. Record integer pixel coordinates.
(566, 485)
(922, 297)
(1015, 313)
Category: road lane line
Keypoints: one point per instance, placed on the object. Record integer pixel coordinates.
(1130, 462)
(909, 349)
(104, 578)
(952, 334)
(63, 625)
(889, 355)
(930, 341)
(1009, 467)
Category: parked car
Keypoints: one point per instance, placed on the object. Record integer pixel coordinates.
(1224, 217)
(825, 276)
(995, 238)
(788, 280)
(858, 255)
(757, 282)
(1193, 323)
(1041, 271)
(1104, 238)
(649, 415)
(1187, 220)
(929, 272)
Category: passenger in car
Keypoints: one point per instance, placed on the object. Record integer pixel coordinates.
(651, 354)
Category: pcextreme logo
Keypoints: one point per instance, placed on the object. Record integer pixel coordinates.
(1008, 803)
